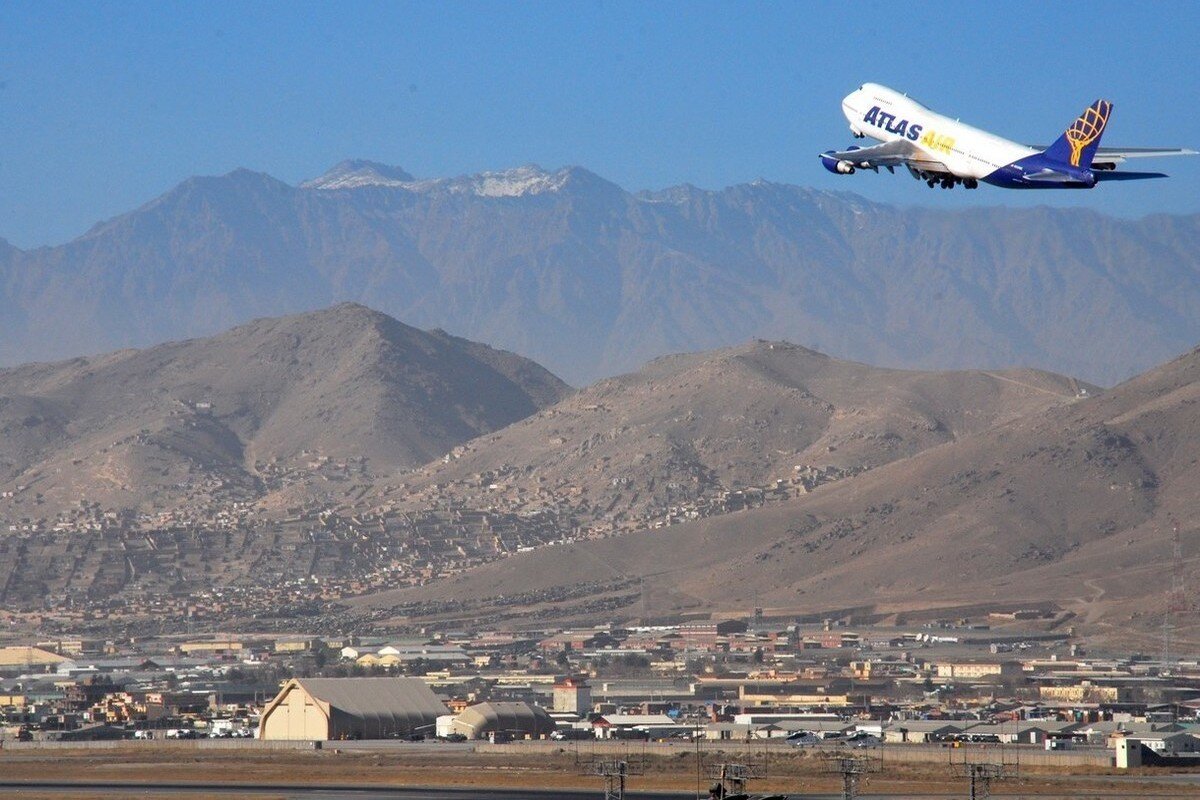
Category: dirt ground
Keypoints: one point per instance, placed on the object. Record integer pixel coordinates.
(790, 772)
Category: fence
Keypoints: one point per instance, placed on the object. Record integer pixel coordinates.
(174, 744)
(899, 753)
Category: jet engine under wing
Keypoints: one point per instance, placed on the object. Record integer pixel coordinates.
(900, 153)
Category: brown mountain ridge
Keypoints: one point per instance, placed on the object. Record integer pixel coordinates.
(344, 445)
(673, 440)
(216, 419)
(1071, 507)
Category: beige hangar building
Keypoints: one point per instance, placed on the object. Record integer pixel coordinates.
(319, 709)
(507, 720)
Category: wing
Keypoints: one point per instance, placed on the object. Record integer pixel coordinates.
(900, 153)
(1128, 176)
(1109, 157)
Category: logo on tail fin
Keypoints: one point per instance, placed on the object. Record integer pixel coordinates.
(1087, 128)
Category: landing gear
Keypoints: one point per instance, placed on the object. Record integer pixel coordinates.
(947, 181)
(933, 179)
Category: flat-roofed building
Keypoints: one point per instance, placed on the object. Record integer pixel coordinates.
(920, 731)
(610, 726)
(23, 658)
(572, 695)
(979, 670)
(1084, 692)
(395, 655)
(73, 647)
(350, 708)
(213, 648)
(1168, 748)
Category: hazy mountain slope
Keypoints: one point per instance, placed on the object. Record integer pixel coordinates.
(1073, 505)
(685, 429)
(206, 418)
(592, 280)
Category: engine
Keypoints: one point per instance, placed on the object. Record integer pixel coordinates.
(836, 166)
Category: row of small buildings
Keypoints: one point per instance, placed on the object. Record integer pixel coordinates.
(324, 709)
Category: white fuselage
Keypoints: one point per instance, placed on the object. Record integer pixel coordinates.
(947, 145)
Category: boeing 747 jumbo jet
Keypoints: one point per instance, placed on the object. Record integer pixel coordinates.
(945, 152)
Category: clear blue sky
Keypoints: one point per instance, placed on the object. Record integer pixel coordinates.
(105, 105)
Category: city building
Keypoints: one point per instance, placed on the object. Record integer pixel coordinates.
(979, 670)
(572, 696)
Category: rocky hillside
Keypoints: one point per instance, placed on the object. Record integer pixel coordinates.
(1072, 508)
(700, 434)
(345, 394)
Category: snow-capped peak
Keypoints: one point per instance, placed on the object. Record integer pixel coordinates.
(355, 173)
(530, 179)
(518, 182)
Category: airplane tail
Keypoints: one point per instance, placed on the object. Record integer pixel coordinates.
(1078, 145)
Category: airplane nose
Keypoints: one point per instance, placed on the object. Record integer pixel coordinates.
(848, 108)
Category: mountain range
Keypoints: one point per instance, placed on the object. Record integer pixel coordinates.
(722, 468)
(592, 280)
(346, 446)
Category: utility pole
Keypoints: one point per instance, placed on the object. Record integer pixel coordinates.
(980, 774)
(615, 774)
(981, 777)
(732, 779)
(851, 768)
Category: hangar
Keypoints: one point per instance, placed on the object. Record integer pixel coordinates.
(503, 720)
(350, 708)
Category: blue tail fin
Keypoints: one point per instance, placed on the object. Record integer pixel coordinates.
(1078, 145)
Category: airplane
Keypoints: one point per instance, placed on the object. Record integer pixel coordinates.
(945, 152)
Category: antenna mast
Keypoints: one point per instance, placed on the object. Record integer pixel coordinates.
(1177, 601)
